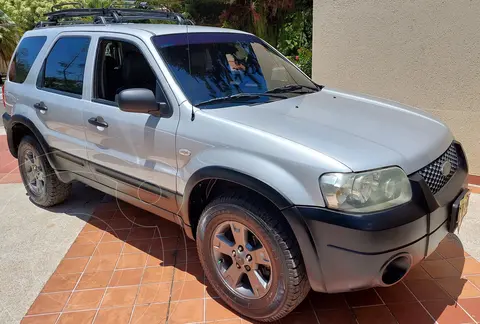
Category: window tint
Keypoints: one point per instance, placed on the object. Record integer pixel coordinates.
(119, 66)
(26, 54)
(216, 65)
(65, 65)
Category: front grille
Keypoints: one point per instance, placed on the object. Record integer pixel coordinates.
(433, 173)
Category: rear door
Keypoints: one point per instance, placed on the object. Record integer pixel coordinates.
(57, 97)
(131, 152)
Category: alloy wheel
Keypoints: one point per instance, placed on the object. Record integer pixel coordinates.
(241, 260)
(34, 173)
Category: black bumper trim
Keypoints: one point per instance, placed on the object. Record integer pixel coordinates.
(389, 250)
(6, 119)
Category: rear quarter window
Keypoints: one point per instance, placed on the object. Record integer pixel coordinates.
(24, 58)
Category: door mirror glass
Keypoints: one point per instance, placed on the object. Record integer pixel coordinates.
(140, 101)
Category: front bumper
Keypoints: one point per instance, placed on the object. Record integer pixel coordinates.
(350, 251)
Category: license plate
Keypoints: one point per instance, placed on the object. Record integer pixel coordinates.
(460, 208)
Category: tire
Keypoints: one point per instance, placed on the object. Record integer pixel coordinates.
(289, 283)
(54, 191)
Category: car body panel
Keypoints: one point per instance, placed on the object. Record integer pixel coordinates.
(292, 169)
(348, 129)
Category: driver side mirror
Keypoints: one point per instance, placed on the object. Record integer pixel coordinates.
(142, 101)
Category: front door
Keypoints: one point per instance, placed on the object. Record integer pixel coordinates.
(131, 152)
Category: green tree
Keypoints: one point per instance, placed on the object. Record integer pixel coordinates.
(26, 13)
(97, 3)
(8, 38)
(263, 17)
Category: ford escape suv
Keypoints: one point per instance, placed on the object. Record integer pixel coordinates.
(285, 185)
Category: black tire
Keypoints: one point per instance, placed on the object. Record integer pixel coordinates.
(290, 284)
(55, 191)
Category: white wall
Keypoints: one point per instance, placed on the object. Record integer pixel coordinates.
(425, 53)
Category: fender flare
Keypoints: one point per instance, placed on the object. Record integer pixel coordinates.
(286, 207)
(24, 121)
(227, 174)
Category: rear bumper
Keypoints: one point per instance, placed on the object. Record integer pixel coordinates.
(345, 252)
(7, 124)
(6, 119)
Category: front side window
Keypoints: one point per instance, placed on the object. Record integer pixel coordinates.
(65, 65)
(26, 54)
(216, 65)
(120, 65)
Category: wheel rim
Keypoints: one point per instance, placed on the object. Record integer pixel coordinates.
(34, 173)
(241, 260)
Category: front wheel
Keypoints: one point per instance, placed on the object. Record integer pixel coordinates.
(251, 257)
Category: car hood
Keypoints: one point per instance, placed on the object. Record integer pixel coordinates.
(361, 132)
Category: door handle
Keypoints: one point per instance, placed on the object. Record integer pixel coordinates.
(98, 121)
(40, 106)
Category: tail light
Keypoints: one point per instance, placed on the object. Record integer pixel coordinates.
(3, 97)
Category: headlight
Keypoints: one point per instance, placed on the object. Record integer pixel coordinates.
(367, 191)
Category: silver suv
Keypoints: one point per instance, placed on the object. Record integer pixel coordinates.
(284, 184)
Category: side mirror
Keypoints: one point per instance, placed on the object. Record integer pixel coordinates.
(142, 101)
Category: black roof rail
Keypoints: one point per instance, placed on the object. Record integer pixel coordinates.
(109, 15)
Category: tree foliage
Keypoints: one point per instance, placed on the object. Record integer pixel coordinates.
(262, 17)
(97, 3)
(286, 24)
(26, 13)
(8, 38)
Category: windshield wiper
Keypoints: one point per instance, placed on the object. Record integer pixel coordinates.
(292, 88)
(239, 96)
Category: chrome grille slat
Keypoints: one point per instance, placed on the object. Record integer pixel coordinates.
(433, 174)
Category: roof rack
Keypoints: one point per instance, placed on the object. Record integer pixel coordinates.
(109, 15)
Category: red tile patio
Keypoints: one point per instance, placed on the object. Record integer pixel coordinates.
(8, 164)
(150, 274)
(128, 266)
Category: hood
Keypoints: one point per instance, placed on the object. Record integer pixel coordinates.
(359, 131)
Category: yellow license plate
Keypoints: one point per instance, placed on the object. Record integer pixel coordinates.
(463, 208)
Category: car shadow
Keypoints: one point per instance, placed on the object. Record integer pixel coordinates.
(437, 289)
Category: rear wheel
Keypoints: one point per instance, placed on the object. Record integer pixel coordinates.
(39, 179)
(251, 257)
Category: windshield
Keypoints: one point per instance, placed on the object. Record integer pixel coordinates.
(218, 65)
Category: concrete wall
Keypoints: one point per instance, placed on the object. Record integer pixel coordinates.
(424, 53)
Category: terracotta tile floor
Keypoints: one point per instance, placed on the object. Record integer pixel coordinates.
(128, 266)
(8, 164)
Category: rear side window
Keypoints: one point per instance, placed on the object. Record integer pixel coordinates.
(65, 65)
(26, 54)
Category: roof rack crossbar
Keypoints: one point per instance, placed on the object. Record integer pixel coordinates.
(111, 15)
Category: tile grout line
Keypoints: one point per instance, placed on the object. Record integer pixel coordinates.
(171, 285)
(386, 306)
(113, 272)
(418, 301)
(186, 248)
(82, 273)
(350, 308)
(313, 309)
(88, 310)
(143, 273)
